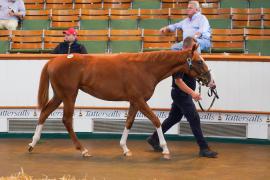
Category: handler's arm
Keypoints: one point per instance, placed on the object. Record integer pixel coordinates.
(182, 85)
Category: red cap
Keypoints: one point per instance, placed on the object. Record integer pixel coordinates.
(70, 31)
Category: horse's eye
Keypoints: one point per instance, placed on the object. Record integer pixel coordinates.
(200, 62)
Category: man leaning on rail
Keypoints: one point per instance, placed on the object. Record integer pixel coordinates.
(70, 44)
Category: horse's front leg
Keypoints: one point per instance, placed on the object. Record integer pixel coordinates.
(145, 109)
(130, 119)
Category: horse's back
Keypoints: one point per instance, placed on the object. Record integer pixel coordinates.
(109, 77)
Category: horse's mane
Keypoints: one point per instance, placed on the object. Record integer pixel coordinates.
(145, 56)
(141, 57)
(158, 55)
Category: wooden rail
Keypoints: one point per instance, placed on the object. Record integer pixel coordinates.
(207, 57)
(126, 108)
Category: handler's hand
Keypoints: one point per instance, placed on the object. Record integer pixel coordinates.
(196, 96)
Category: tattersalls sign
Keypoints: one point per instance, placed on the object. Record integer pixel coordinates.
(100, 113)
(119, 114)
(15, 113)
(243, 118)
(258, 124)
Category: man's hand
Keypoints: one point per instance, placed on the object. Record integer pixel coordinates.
(11, 13)
(18, 14)
(196, 96)
(197, 35)
(164, 30)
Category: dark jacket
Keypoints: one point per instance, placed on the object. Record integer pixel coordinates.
(63, 48)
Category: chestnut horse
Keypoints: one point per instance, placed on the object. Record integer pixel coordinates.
(118, 77)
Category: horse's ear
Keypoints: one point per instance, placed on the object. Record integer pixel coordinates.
(195, 47)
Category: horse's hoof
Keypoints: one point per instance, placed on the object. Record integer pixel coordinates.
(30, 148)
(167, 156)
(128, 154)
(86, 155)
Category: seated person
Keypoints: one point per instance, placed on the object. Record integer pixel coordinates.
(195, 25)
(70, 44)
(11, 11)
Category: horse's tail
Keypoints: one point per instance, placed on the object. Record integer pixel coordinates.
(43, 90)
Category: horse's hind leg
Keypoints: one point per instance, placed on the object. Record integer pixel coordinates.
(145, 109)
(130, 119)
(67, 120)
(45, 112)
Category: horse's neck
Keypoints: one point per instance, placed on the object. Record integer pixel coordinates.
(164, 64)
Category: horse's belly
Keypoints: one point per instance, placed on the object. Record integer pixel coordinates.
(106, 94)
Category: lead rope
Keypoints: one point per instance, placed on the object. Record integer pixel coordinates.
(211, 92)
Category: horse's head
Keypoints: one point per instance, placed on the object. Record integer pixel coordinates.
(197, 68)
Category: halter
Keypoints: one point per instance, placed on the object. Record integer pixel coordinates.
(189, 62)
(210, 93)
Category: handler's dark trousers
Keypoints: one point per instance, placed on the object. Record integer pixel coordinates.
(183, 105)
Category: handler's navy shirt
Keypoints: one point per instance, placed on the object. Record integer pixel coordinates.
(190, 82)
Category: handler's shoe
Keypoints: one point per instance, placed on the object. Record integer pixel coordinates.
(208, 153)
(155, 145)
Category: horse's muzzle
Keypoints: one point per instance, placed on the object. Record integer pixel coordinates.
(212, 83)
(205, 79)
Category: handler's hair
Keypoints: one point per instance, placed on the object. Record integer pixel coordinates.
(189, 42)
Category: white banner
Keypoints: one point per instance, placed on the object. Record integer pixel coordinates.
(257, 123)
(241, 86)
